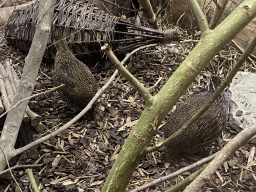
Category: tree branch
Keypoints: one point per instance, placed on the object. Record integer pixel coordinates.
(119, 6)
(149, 13)
(200, 17)
(220, 7)
(32, 180)
(20, 167)
(129, 77)
(186, 181)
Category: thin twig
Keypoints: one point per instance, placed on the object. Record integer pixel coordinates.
(20, 167)
(50, 90)
(32, 180)
(128, 55)
(242, 50)
(162, 7)
(9, 168)
(174, 174)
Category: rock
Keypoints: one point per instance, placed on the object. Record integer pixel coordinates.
(242, 93)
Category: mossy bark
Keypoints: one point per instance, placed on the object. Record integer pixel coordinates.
(209, 45)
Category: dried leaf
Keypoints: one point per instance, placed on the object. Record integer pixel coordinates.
(56, 161)
(219, 175)
(54, 182)
(128, 120)
(70, 140)
(96, 183)
(114, 156)
(251, 157)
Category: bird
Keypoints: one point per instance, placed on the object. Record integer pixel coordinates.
(206, 129)
(79, 83)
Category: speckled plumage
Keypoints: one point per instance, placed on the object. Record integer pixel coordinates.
(202, 132)
(80, 85)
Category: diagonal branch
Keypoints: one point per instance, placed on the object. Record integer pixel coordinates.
(141, 135)
(200, 17)
(220, 7)
(129, 77)
(179, 186)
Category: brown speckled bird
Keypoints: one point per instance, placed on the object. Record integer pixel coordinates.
(80, 85)
(202, 132)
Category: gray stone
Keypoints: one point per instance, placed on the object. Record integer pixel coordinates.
(242, 93)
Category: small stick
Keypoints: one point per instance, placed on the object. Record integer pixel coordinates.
(9, 73)
(15, 77)
(35, 119)
(40, 127)
(7, 83)
(4, 96)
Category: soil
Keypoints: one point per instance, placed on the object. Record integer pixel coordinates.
(80, 158)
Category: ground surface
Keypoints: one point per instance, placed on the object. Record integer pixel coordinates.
(81, 157)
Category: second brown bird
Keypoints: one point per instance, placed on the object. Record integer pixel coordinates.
(203, 131)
